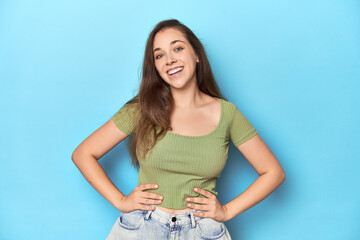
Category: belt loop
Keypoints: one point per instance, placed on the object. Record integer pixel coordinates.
(147, 215)
(192, 219)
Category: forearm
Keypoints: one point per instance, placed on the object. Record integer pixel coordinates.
(96, 176)
(255, 193)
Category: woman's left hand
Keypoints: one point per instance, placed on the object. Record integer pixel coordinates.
(210, 206)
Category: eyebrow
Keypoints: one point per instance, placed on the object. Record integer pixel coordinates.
(172, 43)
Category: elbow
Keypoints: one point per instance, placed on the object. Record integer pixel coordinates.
(80, 155)
(76, 156)
(278, 175)
(281, 176)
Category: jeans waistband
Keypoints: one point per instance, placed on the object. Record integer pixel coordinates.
(172, 219)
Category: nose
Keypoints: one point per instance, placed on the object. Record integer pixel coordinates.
(170, 60)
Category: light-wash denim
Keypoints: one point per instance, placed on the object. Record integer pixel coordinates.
(158, 225)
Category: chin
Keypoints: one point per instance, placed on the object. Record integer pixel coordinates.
(178, 86)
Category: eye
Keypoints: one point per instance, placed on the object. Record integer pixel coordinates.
(178, 48)
(158, 56)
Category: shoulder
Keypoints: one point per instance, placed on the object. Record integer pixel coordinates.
(130, 108)
(228, 105)
(131, 105)
(127, 117)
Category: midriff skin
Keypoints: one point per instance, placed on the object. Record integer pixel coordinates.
(173, 211)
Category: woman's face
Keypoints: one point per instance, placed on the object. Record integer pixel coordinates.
(175, 59)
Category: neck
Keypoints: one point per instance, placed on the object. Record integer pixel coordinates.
(189, 98)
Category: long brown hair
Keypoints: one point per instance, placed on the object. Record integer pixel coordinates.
(154, 101)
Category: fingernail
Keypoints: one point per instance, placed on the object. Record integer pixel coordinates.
(195, 189)
(188, 199)
(156, 186)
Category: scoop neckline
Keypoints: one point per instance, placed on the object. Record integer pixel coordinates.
(208, 134)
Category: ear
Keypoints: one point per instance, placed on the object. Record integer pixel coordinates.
(197, 60)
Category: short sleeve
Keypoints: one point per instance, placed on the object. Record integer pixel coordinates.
(241, 129)
(127, 117)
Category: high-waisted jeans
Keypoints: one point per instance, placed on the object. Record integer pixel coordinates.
(160, 225)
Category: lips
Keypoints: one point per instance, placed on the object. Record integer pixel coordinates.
(174, 71)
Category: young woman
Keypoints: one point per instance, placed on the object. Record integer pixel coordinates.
(180, 128)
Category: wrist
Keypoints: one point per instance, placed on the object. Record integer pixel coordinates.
(228, 215)
(119, 203)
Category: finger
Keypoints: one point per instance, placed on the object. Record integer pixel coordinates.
(201, 214)
(204, 192)
(147, 195)
(146, 207)
(201, 200)
(198, 207)
(148, 186)
(152, 195)
(149, 201)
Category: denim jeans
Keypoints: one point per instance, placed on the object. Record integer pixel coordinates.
(158, 225)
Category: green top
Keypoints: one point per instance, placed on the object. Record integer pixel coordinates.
(178, 163)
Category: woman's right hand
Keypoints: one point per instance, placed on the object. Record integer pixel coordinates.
(138, 198)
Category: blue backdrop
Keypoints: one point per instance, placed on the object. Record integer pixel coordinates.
(291, 67)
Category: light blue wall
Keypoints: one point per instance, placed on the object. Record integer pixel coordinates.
(291, 67)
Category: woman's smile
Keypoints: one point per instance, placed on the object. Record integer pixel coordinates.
(175, 72)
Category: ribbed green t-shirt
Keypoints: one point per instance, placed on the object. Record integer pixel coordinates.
(178, 163)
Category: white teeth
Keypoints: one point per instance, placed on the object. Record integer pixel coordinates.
(175, 70)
